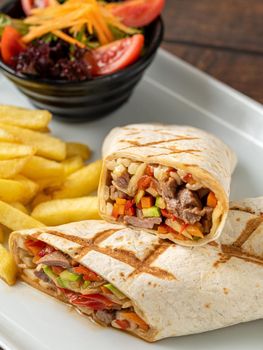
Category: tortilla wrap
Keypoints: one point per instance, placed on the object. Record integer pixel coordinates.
(188, 150)
(176, 290)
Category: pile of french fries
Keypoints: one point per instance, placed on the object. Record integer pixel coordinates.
(43, 180)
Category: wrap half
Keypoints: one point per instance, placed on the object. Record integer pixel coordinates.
(136, 282)
(169, 180)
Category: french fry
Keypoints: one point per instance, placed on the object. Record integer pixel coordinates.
(72, 164)
(25, 118)
(11, 167)
(40, 198)
(2, 235)
(30, 188)
(15, 219)
(77, 149)
(11, 190)
(80, 183)
(14, 150)
(61, 211)
(6, 136)
(8, 269)
(46, 145)
(20, 207)
(49, 184)
(39, 167)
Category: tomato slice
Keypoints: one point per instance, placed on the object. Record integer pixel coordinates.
(35, 246)
(92, 301)
(28, 5)
(88, 275)
(118, 54)
(11, 44)
(137, 13)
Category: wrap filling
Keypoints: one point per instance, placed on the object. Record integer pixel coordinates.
(157, 197)
(63, 277)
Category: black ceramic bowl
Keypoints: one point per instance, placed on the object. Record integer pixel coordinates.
(84, 100)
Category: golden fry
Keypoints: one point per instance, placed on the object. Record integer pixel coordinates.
(62, 211)
(11, 167)
(40, 198)
(49, 184)
(2, 235)
(6, 136)
(81, 183)
(15, 150)
(72, 164)
(15, 219)
(11, 190)
(30, 188)
(77, 149)
(39, 167)
(8, 269)
(25, 118)
(46, 145)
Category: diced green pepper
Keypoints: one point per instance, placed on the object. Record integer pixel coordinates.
(151, 212)
(48, 271)
(85, 284)
(69, 276)
(60, 282)
(115, 291)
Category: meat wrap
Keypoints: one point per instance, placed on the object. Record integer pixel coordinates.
(151, 288)
(169, 180)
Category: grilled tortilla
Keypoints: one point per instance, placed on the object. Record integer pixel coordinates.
(169, 180)
(146, 286)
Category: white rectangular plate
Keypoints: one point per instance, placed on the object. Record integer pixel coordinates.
(171, 92)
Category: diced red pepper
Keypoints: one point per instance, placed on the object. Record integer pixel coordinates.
(57, 269)
(129, 204)
(130, 212)
(35, 246)
(189, 178)
(46, 250)
(124, 324)
(88, 275)
(149, 170)
(144, 182)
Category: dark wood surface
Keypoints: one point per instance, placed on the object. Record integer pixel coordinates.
(223, 38)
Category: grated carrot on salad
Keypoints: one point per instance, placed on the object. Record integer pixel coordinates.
(73, 15)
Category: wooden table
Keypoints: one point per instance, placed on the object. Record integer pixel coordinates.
(223, 38)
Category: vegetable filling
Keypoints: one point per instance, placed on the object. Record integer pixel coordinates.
(157, 197)
(78, 285)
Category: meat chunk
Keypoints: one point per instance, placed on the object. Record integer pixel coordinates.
(189, 199)
(207, 219)
(143, 223)
(169, 188)
(42, 276)
(114, 193)
(55, 259)
(104, 317)
(123, 180)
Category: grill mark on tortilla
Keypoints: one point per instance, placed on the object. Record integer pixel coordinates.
(251, 226)
(246, 210)
(135, 143)
(130, 259)
(239, 253)
(156, 271)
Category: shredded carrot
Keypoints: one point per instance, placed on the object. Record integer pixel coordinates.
(133, 317)
(194, 230)
(68, 38)
(71, 16)
(211, 200)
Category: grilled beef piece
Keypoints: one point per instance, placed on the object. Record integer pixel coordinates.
(206, 220)
(186, 206)
(169, 188)
(123, 180)
(104, 317)
(143, 223)
(114, 193)
(42, 276)
(55, 259)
